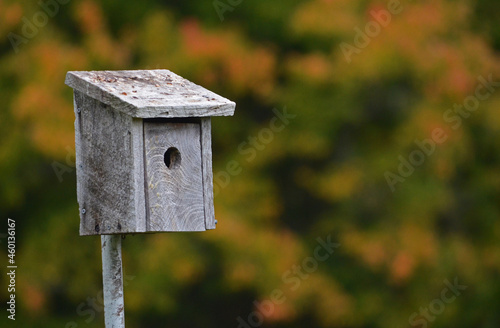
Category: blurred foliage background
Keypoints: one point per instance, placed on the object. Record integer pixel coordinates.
(324, 174)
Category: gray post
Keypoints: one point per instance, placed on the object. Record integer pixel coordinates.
(112, 278)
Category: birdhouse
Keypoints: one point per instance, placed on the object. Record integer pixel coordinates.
(143, 151)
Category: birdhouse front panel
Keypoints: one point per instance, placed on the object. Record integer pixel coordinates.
(174, 183)
(143, 151)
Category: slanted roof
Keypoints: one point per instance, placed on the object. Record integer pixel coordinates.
(150, 93)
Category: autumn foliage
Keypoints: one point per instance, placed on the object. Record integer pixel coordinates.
(324, 174)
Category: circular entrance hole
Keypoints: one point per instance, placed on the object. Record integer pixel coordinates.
(172, 158)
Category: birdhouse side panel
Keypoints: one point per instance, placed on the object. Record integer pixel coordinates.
(207, 174)
(108, 170)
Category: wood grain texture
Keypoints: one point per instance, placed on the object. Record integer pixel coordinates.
(125, 122)
(206, 157)
(110, 189)
(112, 278)
(150, 93)
(174, 195)
(137, 130)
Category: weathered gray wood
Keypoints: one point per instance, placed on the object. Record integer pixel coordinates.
(109, 166)
(206, 157)
(137, 170)
(150, 93)
(125, 121)
(112, 278)
(175, 194)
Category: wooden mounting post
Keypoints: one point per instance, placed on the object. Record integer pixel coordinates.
(112, 279)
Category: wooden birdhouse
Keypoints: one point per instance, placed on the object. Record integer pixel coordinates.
(143, 151)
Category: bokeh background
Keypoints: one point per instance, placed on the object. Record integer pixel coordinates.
(325, 174)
